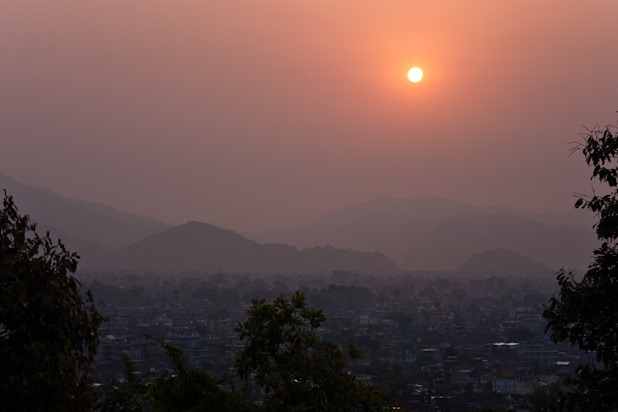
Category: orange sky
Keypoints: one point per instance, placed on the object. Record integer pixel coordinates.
(264, 115)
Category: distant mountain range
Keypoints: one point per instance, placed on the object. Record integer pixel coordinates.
(197, 246)
(432, 233)
(108, 239)
(415, 233)
(93, 223)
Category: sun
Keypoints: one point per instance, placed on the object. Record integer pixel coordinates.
(415, 74)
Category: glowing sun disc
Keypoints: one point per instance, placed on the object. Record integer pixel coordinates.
(415, 74)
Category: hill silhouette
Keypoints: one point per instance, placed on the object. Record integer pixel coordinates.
(428, 233)
(432, 233)
(197, 246)
(80, 223)
(108, 239)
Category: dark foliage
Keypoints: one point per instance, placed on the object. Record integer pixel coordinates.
(48, 329)
(585, 312)
(298, 370)
(189, 390)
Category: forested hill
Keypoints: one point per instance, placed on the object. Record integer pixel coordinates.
(197, 246)
(412, 233)
(432, 233)
(109, 239)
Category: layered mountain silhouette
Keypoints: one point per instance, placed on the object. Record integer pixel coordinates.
(428, 233)
(432, 233)
(88, 223)
(197, 246)
(108, 239)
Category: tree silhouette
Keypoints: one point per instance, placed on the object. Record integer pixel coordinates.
(192, 390)
(48, 329)
(298, 370)
(585, 312)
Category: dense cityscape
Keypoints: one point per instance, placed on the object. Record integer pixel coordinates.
(431, 341)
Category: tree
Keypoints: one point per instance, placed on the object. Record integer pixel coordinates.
(192, 390)
(544, 398)
(48, 328)
(184, 390)
(585, 312)
(130, 396)
(299, 371)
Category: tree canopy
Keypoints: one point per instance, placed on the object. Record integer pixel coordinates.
(296, 368)
(48, 328)
(585, 312)
(192, 390)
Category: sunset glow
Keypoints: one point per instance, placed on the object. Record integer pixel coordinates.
(415, 74)
(257, 116)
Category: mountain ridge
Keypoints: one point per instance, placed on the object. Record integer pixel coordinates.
(107, 239)
(415, 234)
(92, 222)
(426, 233)
(198, 246)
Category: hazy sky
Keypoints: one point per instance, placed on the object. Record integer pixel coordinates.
(253, 115)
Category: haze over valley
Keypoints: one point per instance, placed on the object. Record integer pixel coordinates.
(383, 235)
(307, 205)
(267, 116)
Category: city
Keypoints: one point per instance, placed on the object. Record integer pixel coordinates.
(429, 340)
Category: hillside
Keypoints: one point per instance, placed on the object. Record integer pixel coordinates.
(454, 240)
(412, 233)
(432, 233)
(83, 222)
(108, 239)
(197, 246)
